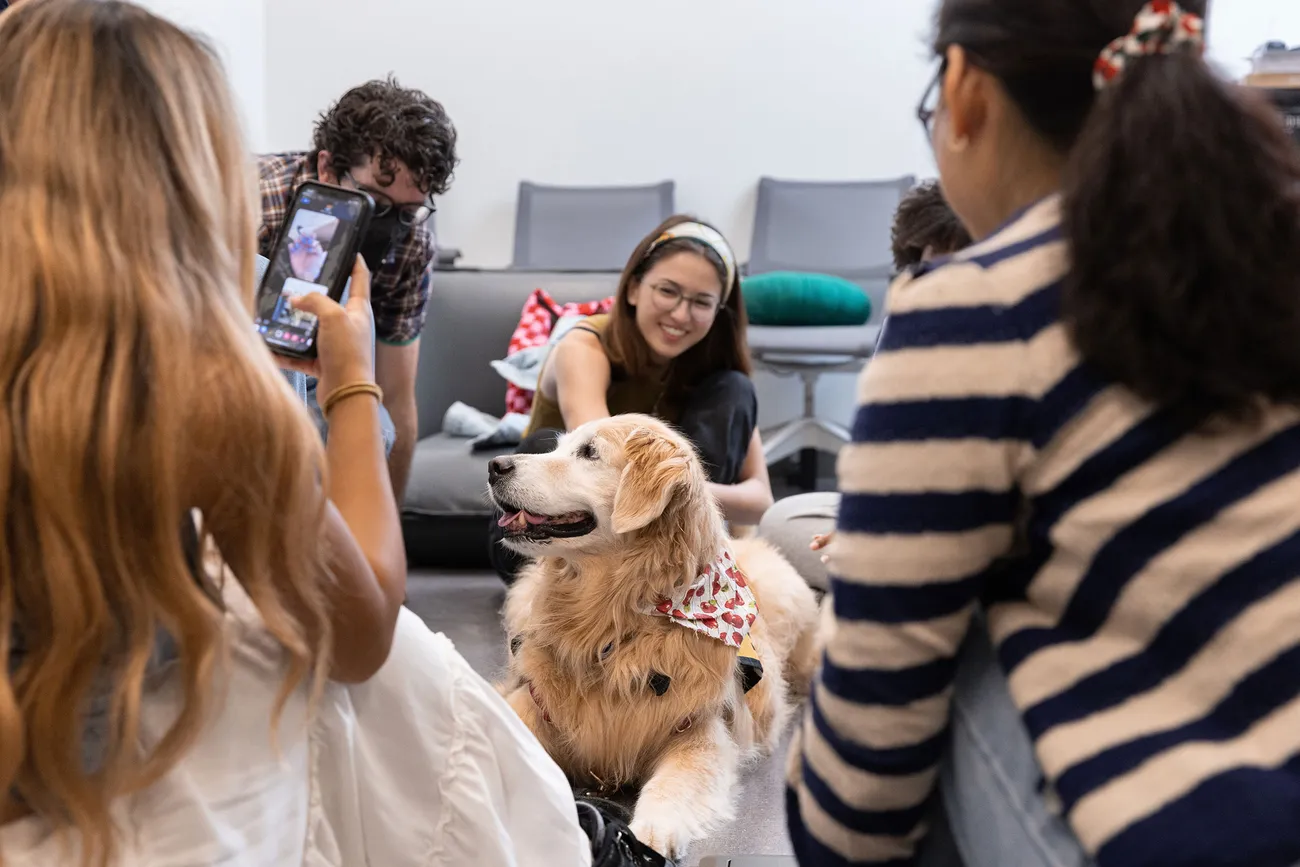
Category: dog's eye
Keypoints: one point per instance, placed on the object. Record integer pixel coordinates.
(588, 452)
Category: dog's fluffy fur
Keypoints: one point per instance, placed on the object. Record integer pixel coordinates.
(583, 651)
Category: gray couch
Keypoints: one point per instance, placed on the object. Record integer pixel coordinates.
(472, 314)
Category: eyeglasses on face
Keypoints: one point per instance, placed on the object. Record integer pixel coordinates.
(928, 108)
(668, 298)
(408, 215)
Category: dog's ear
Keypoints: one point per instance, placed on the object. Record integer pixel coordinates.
(656, 468)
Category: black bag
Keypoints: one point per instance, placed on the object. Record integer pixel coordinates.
(612, 842)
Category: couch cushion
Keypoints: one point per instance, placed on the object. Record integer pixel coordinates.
(447, 478)
(471, 317)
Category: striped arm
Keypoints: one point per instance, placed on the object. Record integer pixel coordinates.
(929, 505)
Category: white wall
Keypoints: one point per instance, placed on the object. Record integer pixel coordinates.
(1238, 27)
(710, 93)
(238, 29)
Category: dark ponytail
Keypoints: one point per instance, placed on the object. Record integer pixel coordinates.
(1181, 205)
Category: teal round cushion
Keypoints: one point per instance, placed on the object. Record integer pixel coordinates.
(797, 298)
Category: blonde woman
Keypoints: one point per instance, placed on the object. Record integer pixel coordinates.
(164, 707)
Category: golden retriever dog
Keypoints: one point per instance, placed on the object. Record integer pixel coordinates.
(638, 630)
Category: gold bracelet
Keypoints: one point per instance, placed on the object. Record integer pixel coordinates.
(345, 391)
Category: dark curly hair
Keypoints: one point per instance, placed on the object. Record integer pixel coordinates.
(924, 221)
(382, 119)
(1181, 198)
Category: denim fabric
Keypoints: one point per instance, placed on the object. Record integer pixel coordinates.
(991, 782)
(386, 428)
(305, 386)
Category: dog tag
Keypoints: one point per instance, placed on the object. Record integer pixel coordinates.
(660, 682)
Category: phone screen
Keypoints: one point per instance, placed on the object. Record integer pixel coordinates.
(313, 255)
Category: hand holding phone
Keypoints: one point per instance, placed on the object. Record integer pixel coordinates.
(313, 256)
(345, 335)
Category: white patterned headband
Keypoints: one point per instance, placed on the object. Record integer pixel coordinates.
(1161, 27)
(713, 238)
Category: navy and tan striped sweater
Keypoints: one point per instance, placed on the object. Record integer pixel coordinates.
(1141, 580)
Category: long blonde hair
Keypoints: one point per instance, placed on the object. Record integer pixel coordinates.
(133, 390)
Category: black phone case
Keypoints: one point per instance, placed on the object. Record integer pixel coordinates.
(335, 290)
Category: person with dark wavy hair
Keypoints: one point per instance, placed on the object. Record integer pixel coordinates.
(925, 227)
(398, 145)
(1079, 438)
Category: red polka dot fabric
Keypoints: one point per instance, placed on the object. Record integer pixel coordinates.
(536, 322)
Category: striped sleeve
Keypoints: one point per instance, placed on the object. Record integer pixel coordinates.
(929, 503)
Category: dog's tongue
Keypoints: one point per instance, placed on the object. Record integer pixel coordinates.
(507, 520)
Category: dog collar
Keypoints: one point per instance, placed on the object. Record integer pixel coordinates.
(718, 603)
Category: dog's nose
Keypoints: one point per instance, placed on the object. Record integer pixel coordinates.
(499, 468)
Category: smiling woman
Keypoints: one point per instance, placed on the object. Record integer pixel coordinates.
(673, 346)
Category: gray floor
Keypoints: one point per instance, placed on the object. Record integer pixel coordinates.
(465, 606)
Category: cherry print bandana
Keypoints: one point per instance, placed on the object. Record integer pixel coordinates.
(719, 604)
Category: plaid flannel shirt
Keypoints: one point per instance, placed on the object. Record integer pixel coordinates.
(399, 290)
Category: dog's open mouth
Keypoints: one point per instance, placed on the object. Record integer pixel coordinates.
(522, 524)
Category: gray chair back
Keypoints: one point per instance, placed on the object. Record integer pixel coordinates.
(832, 227)
(586, 228)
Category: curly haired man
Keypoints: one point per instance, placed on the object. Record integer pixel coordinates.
(398, 145)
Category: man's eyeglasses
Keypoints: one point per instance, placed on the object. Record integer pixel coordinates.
(408, 215)
(929, 107)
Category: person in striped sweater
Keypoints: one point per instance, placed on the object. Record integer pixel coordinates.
(1080, 437)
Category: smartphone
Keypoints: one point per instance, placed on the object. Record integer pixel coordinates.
(315, 252)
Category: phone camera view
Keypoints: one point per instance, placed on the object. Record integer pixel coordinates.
(307, 260)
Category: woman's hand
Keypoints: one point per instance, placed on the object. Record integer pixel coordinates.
(344, 339)
(820, 541)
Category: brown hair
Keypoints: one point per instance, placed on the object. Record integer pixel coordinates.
(725, 347)
(384, 120)
(925, 221)
(1181, 203)
(135, 392)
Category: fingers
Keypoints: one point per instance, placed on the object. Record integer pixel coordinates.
(314, 303)
(360, 290)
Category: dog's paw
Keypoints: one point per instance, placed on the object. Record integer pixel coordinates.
(663, 828)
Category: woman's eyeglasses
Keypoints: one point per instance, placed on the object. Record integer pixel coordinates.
(408, 215)
(929, 106)
(702, 307)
